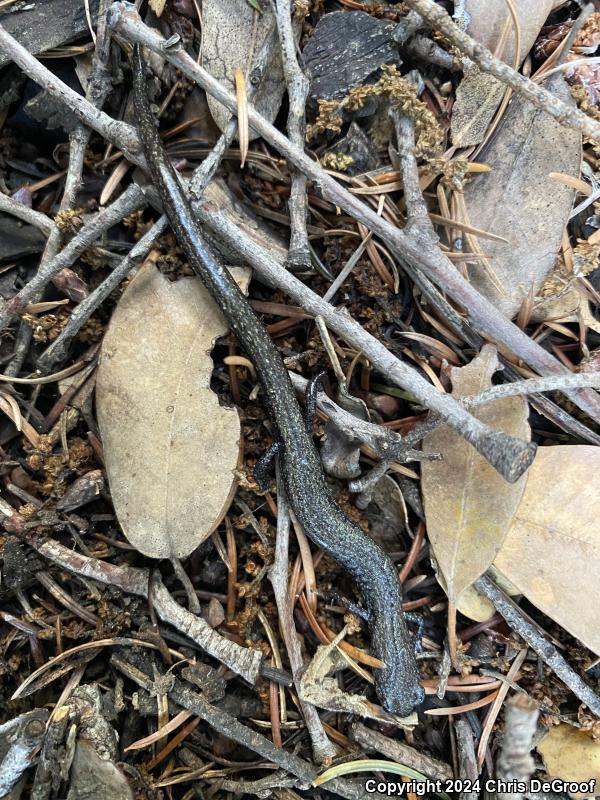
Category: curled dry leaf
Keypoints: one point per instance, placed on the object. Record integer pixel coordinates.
(170, 448)
(480, 94)
(468, 505)
(552, 550)
(519, 201)
(571, 754)
(233, 33)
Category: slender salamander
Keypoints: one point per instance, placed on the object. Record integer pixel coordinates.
(397, 683)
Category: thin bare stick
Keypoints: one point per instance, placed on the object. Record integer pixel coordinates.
(467, 764)
(414, 249)
(545, 650)
(112, 130)
(278, 575)
(297, 87)
(400, 752)
(131, 200)
(134, 580)
(438, 19)
(552, 383)
(59, 348)
(26, 214)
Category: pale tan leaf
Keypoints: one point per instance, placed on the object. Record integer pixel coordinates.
(468, 505)
(476, 606)
(480, 94)
(233, 33)
(521, 202)
(158, 6)
(171, 449)
(552, 550)
(571, 754)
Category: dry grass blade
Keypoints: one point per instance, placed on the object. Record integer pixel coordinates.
(242, 114)
(172, 725)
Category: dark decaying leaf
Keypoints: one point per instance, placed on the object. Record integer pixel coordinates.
(519, 201)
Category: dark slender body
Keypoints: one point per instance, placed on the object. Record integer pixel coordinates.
(324, 522)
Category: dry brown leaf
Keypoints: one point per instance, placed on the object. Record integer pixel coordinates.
(521, 202)
(479, 93)
(171, 449)
(571, 754)
(552, 550)
(468, 505)
(233, 33)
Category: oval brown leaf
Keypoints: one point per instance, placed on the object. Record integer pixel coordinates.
(519, 201)
(233, 33)
(170, 448)
(468, 505)
(479, 94)
(552, 550)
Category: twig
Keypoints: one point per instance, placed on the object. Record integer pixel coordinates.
(131, 200)
(515, 762)
(297, 87)
(77, 143)
(387, 443)
(278, 575)
(134, 580)
(545, 650)
(261, 786)
(59, 348)
(551, 383)
(467, 764)
(28, 215)
(231, 728)
(440, 20)
(417, 214)
(112, 130)
(399, 752)
(414, 249)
